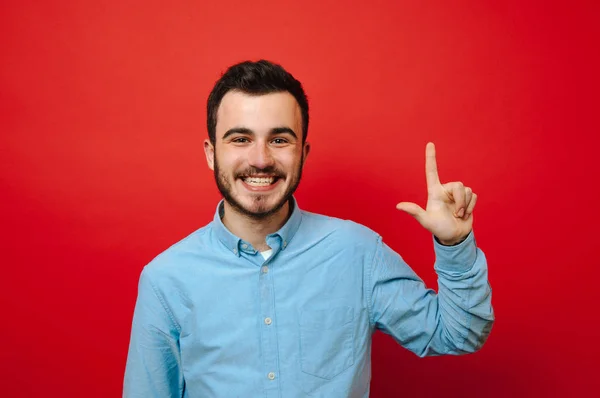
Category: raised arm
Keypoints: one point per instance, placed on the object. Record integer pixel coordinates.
(459, 317)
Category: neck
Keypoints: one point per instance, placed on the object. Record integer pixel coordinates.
(252, 230)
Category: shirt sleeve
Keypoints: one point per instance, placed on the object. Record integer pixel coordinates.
(153, 366)
(456, 320)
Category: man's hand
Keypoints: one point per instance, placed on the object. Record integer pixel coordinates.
(449, 206)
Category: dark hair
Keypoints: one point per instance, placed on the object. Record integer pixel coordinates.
(261, 77)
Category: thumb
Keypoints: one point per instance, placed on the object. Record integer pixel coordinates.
(411, 208)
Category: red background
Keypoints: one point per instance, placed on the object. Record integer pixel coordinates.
(101, 168)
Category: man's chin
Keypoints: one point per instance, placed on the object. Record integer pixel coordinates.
(260, 210)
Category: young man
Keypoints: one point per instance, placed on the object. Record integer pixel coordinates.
(271, 301)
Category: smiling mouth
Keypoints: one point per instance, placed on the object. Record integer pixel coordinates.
(260, 181)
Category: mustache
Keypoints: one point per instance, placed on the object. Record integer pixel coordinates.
(252, 171)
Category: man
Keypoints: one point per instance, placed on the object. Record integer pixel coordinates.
(271, 301)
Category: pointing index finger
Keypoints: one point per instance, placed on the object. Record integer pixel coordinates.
(431, 172)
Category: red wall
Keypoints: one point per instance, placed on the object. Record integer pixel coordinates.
(101, 168)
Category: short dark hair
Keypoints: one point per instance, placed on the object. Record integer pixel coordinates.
(258, 78)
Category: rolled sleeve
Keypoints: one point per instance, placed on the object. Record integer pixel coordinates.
(455, 320)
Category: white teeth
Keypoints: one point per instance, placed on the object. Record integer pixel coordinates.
(259, 182)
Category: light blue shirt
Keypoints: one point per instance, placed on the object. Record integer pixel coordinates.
(214, 319)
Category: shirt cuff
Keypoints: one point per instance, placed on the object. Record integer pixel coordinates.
(460, 257)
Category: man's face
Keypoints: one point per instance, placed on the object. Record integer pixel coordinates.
(258, 153)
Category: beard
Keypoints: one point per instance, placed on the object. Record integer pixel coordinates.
(262, 210)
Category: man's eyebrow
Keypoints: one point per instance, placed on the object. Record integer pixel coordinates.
(247, 131)
(283, 130)
(238, 130)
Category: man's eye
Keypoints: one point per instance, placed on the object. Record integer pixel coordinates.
(279, 141)
(240, 140)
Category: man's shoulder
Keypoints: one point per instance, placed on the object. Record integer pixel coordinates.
(180, 253)
(340, 227)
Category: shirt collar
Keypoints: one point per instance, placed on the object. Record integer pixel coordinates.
(235, 244)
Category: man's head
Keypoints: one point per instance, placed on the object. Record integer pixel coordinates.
(257, 119)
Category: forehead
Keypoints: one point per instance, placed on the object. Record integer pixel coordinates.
(259, 113)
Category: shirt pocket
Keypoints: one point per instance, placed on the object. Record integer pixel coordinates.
(326, 341)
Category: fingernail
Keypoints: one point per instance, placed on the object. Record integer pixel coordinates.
(461, 213)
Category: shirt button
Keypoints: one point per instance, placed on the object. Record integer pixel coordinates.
(264, 269)
(271, 376)
(244, 246)
(268, 321)
(284, 243)
(234, 251)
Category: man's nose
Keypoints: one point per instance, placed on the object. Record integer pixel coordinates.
(260, 155)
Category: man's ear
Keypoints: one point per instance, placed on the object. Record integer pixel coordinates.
(306, 150)
(209, 151)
